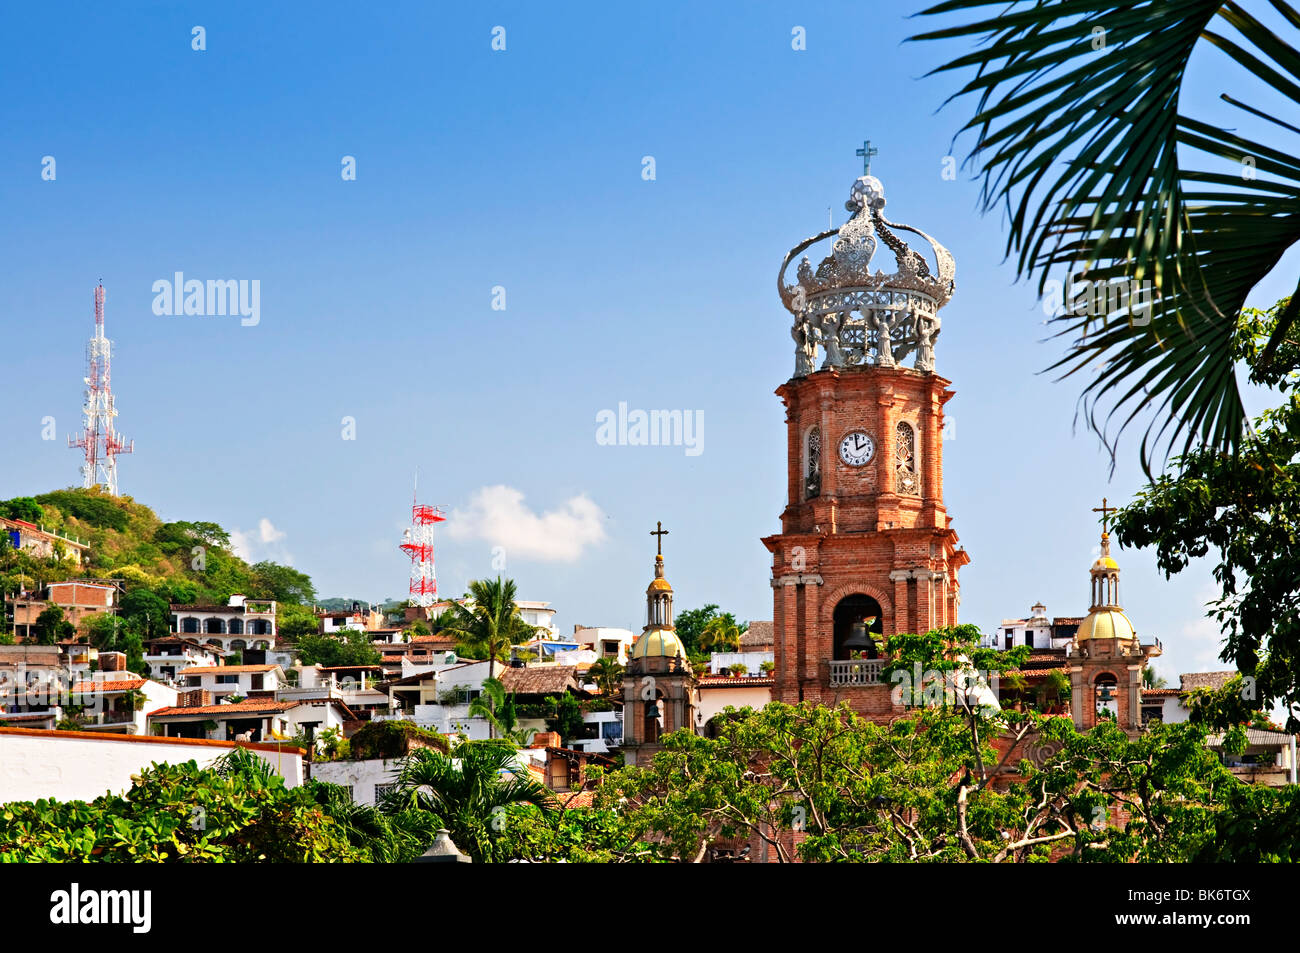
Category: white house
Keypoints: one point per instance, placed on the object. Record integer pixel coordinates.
(538, 614)
(239, 625)
(166, 658)
(604, 641)
(108, 702)
(78, 765)
(253, 719)
(354, 685)
(1037, 631)
(717, 694)
(221, 680)
(438, 698)
(366, 781)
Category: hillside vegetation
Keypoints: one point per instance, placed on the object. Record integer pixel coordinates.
(158, 562)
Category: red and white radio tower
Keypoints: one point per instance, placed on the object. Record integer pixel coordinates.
(98, 439)
(417, 542)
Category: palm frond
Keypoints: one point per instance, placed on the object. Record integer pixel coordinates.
(1085, 139)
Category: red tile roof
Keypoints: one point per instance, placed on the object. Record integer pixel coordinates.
(268, 705)
(105, 686)
(740, 681)
(148, 739)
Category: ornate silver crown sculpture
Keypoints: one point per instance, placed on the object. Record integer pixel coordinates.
(856, 317)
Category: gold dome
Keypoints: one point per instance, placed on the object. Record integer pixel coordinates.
(1104, 563)
(658, 642)
(1106, 623)
(659, 585)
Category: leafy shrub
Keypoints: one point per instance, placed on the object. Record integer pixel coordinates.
(391, 739)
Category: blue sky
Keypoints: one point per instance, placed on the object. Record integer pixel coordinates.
(519, 169)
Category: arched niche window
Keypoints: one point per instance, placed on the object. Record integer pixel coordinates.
(214, 626)
(812, 484)
(652, 720)
(1106, 691)
(236, 626)
(850, 611)
(190, 624)
(905, 460)
(1105, 589)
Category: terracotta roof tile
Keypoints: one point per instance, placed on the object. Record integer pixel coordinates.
(740, 681)
(121, 685)
(267, 705)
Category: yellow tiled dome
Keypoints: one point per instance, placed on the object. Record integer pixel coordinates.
(658, 643)
(1107, 623)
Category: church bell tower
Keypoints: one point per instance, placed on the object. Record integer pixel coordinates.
(660, 691)
(866, 549)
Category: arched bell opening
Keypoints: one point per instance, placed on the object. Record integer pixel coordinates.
(858, 628)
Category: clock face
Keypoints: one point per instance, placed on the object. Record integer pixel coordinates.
(857, 448)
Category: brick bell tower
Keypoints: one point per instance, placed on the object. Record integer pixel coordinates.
(866, 548)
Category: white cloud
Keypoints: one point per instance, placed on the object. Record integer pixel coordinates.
(497, 514)
(255, 545)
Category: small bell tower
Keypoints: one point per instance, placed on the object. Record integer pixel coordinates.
(660, 692)
(1107, 659)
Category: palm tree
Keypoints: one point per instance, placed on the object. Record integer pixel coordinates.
(468, 790)
(1105, 161)
(499, 710)
(721, 633)
(1151, 680)
(492, 624)
(607, 674)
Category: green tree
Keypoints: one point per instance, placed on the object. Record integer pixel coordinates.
(146, 612)
(51, 627)
(469, 791)
(237, 811)
(608, 676)
(1242, 510)
(23, 508)
(568, 721)
(345, 647)
(295, 622)
(921, 789)
(498, 707)
(492, 625)
(282, 583)
(1104, 159)
(690, 625)
(721, 634)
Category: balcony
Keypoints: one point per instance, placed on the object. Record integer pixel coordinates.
(855, 672)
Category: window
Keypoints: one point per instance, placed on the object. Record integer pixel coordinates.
(813, 467)
(227, 679)
(905, 460)
(1029, 637)
(383, 790)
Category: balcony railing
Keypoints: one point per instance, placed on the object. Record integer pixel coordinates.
(856, 672)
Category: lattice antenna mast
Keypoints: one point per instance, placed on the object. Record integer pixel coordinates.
(417, 543)
(98, 438)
